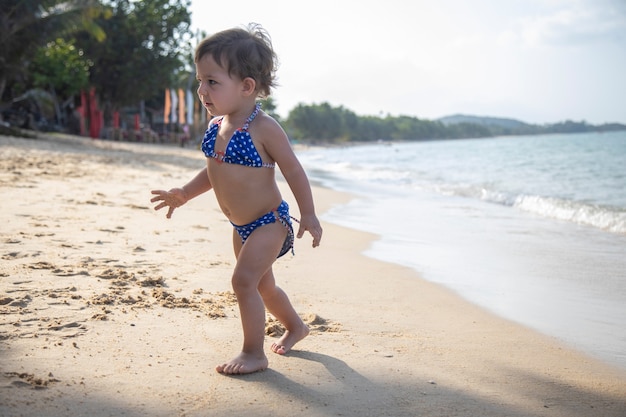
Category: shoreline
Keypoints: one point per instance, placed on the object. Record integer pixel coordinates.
(116, 310)
(493, 276)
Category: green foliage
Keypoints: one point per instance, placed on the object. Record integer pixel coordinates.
(467, 130)
(61, 65)
(145, 52)
(27, 25)
(320, 122)
(324, 123)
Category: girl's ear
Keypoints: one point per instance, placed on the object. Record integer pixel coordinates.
(248, 86)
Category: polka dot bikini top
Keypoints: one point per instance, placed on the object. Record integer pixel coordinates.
(240, 149)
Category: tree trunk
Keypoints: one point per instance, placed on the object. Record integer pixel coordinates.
(3, 84)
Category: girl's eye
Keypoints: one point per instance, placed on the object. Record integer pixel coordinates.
(207, 82)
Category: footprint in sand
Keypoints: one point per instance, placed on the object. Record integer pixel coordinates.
(16, 302)
(41, 265)
(68, 272)
(316, 323)
(5, 300)
(23, 379)
(20, 255)
(137, 207)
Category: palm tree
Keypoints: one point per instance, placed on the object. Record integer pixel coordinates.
(26, 25)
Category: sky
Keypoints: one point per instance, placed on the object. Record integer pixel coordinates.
(538, 61)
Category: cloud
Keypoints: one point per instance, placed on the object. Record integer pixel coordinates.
(570, 24)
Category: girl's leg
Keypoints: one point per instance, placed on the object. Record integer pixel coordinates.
(279, 306)
(254, 259)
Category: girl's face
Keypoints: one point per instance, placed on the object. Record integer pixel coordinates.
(218, 92)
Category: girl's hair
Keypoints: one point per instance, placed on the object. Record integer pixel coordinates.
(243, 52)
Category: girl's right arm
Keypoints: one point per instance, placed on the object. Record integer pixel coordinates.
(176, 197)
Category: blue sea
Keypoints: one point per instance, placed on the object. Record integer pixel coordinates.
(532, 228)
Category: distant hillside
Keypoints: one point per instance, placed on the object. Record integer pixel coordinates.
(498, 126)
(483, 121)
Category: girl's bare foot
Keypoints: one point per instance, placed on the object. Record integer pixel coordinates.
(289, 339)
(244, 363)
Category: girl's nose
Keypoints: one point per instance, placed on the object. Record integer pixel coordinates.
(201, 89)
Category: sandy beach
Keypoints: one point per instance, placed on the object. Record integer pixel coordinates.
(109, 309)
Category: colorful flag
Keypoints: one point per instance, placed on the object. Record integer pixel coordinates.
(168, 107)
(181, 106)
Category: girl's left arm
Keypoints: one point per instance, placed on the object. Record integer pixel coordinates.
(280, 150)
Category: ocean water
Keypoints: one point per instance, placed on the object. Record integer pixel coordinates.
(532, 228)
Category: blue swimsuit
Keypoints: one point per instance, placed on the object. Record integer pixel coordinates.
(241, 150)
(281, 213)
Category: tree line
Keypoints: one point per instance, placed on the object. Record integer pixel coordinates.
(327, 124)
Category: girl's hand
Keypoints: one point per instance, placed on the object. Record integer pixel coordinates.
(172, 199)
(312, 225)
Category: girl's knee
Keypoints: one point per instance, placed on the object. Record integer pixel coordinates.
(242, 283)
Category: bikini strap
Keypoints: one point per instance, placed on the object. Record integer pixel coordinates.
(250, 118)
(284, 220)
